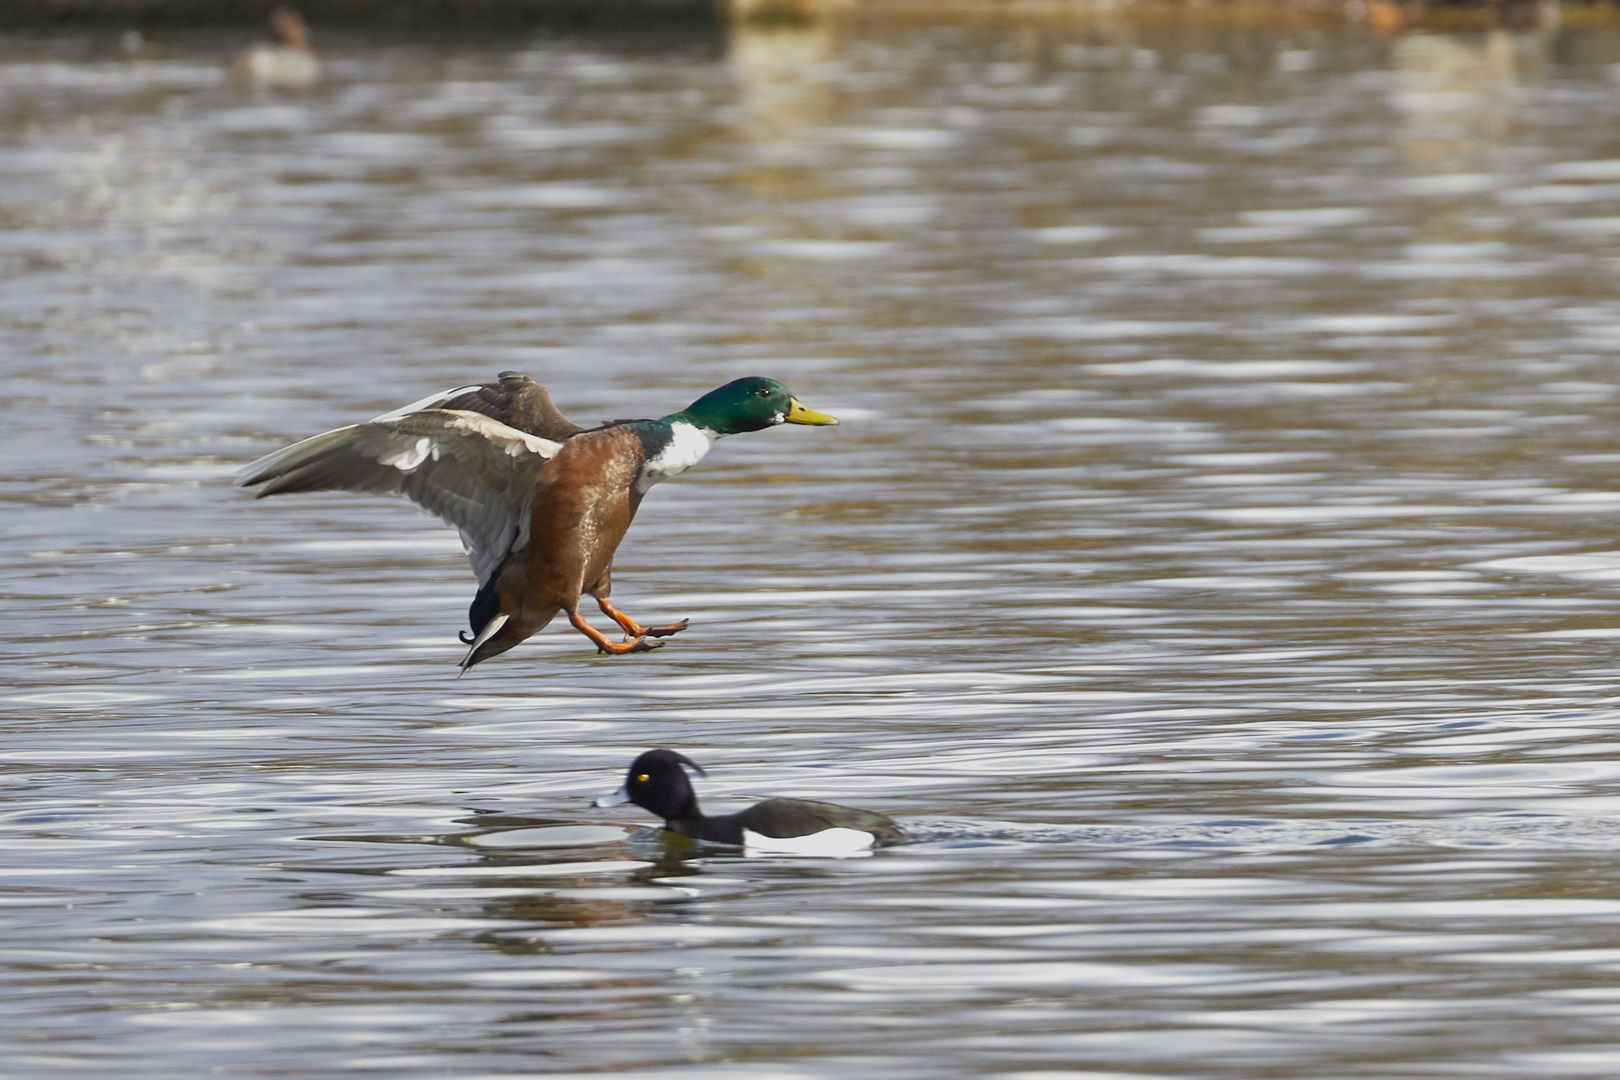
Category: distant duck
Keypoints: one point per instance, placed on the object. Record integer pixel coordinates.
(540, 502)
(286, 62)
(1386, 18)
(657, 782)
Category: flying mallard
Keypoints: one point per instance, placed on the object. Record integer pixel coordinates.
(541, 503)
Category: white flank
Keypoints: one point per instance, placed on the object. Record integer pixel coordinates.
(280, 66)
(828, 843)
(686, 448)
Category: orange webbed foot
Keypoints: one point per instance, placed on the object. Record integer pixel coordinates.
(612, 648)
(633, 629)
(620, 648)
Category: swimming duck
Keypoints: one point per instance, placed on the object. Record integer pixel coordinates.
(286, 62)
(657, 782)
(540, 502)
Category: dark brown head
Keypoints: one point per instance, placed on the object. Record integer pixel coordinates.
(288, 28)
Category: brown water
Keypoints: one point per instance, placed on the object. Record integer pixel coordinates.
(1215, 570)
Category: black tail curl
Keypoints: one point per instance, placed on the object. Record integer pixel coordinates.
(485, 606)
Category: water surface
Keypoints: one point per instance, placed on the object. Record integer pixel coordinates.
(1215, 568)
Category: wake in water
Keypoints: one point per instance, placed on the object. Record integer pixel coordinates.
(1515, 830)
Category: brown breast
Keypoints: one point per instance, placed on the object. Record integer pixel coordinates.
(583, 503)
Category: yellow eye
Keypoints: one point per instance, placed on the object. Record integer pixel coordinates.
(643, 778)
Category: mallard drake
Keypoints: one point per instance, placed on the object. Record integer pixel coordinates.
(540, 502)
(657, 782)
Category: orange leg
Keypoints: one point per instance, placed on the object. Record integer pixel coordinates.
(633, 629)
(640, 644)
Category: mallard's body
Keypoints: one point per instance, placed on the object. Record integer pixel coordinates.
(584, 500)
(541, 503)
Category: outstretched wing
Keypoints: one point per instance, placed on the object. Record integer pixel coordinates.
(516, 401)
(474, 472)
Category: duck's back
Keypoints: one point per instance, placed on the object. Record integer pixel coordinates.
(786, 818)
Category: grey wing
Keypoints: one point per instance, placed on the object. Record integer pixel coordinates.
(474, 472)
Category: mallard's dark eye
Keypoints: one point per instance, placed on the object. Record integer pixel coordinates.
(643, 778)
(762, 392)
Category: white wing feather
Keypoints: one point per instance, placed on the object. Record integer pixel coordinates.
(432, 401)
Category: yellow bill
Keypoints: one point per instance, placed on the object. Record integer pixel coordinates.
(798, 414)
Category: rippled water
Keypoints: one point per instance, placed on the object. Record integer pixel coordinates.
(1215, 569)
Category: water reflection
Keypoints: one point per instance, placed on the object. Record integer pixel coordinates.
(1214, 570)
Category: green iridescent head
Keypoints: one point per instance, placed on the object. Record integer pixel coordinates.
(748, 405)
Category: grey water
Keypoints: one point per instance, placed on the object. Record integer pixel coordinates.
(1215, 568)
